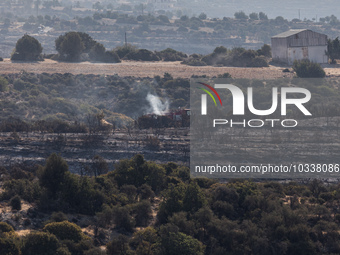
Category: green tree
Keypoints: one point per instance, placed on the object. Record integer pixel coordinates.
(254, 16)
(40, 243)
(202, 16)
(333, 49)
(27, 48)
(53, 174)
(118, 246)
(265, 50)
(240, 15)
(263, 16)
(194, 198)
(70, 46)
(144, 241)
(99, 165)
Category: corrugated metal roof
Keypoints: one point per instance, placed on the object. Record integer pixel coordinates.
(289, 33)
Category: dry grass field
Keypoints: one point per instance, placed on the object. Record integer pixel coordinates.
(140, 69)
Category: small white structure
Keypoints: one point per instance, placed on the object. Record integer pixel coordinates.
(298, 44)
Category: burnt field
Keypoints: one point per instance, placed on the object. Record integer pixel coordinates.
(161, 145)
(313, 141)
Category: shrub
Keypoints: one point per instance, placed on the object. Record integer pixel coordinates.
(58, 217)
(152, 143)
(95, 251)
(265, 50)
(240, 15)
(122, 51)
(3, 84)
(111, 57)
(5, 227)
(40, 243)
(118, 245)
(8, 247)
(307, 69)
(171, 55)
(97, 52)
(16, 203)
(65, 231)
(258, 62)
(143, 55)
(1, 59)
(225, 75)
(193, 62)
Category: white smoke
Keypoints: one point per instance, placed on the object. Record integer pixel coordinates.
(158, 107)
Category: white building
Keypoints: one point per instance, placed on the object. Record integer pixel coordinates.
(298, 44)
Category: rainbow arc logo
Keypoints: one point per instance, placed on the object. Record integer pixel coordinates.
(209, 93)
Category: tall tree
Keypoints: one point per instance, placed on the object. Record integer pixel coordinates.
(70, 46)
(27, 48)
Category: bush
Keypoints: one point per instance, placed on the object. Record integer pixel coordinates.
(258, 62)
(225, 75)
(58, 217)
(118, 245)
(40, 243)
(8, 247)
(3, 84)
(152, 143)
(266, 51)
(193, 62)
(65, 231)
(307, 69)
(1, 59)
(5, 227)
(240, 15)
(111, 57)
(122, 51)
(171, 55)
(16, 203)
(143, 55)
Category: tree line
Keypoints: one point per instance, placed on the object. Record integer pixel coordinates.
(194, 216)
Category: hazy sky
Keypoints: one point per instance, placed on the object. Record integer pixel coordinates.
(289, 9)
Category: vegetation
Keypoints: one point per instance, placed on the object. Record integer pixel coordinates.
(81, 103)
(308, 69)
(73, 45)
(16, 203)
(238, 57)
(27, 48)
(333, 49)
(195, 216)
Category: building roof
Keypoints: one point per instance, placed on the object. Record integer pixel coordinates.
(289, 33)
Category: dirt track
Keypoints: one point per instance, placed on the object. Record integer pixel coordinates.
(139, 69)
